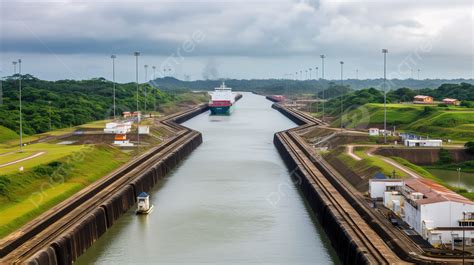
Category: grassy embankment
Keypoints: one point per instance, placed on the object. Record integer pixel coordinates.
(427, 120)
(368, 166)
(49, 179)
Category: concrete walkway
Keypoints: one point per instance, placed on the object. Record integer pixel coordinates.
(350, 152)
(23, 159)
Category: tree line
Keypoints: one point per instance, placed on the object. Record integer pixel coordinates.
(70, 102)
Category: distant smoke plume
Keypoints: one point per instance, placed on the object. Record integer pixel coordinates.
(210, 70)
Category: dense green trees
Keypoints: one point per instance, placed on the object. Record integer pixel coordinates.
(69, 102)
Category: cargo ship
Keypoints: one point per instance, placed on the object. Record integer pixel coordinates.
(222, 100)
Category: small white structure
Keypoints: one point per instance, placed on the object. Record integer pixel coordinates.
(373, 131)
(122, 141)
(143, 203)
(377, 187)
(387, 132)
(144, 129)
(118, 127)
(423, 143)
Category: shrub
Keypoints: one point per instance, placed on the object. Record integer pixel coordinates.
(445, 156)
(469, 147)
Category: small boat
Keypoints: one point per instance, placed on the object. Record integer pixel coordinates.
(143, 204)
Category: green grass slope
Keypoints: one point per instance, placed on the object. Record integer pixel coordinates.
(445, 122)
(7, 134)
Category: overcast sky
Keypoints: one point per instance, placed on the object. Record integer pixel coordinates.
(238, 39)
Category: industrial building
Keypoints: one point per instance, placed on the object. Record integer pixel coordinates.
(423, 143)
(438, 214)
(118, 127)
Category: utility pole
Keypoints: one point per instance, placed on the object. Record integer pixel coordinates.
(21, 119)
(342, 92)
(138, 115)
(113, 80)
(322, 78)
(384, 51)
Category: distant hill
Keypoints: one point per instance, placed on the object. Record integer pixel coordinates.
(285, 86)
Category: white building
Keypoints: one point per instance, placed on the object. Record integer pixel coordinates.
(118, 127)
(374, 131)
(423, 143)
(377, 187)
(433, 211)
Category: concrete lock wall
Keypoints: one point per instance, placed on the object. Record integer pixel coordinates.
(69, 246)
(347, 250)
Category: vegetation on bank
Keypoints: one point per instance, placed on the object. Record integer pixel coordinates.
(25, 195)
(71, 102)
(364, 108)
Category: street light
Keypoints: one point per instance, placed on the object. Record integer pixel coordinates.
(113, 79)
(342, 87)
(310, 69)
(317, 73)
(357, 74)
(14, 67)
(322, 78)
(384, 51)
(418, 74)
(306, 72)
(21, 120)
(146, 87)
(136, 54)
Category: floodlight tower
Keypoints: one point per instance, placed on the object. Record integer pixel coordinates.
(113, 80)
(384, 51)
(322, 78)
(21, 114)
(342, 91)
(136, 54)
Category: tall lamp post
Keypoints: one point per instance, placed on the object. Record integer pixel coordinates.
(317, 72)
(146, 87)
(113, 80)
(418, 74)
(384, 51)
(136, 54)
(14, 67)
(154, 90)
(342, 87)
(21, 118)
(310, 69)
(322, 78)
(357, 74)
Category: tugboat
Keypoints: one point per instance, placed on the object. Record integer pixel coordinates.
(143, 203)
(222, 100)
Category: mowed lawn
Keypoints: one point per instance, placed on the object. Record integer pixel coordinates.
(52, 152)
(48, 180)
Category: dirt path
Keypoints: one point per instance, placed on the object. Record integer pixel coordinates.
(350, 152)
(23, 159)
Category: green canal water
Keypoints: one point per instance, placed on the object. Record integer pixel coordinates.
(231, 201)
(451, 178)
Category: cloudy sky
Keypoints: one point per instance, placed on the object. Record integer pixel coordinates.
(238, 39)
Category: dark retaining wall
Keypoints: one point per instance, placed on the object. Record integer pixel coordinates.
(347, 250)
(67, 248)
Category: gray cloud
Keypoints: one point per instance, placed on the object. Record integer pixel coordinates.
(244, 29)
